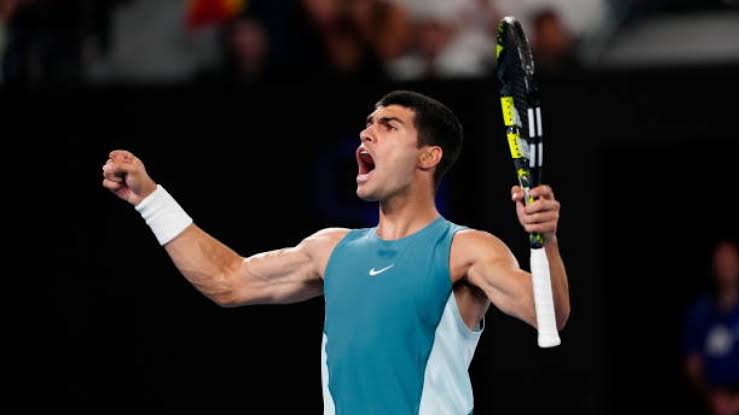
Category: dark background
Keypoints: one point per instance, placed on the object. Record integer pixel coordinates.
(642, 162)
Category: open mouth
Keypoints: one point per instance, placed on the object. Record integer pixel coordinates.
(366, 162)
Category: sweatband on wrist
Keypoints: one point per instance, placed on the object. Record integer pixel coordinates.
(164, 215)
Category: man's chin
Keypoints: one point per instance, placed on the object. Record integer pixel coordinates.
(365, 195)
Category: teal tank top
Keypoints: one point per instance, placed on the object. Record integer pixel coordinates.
(394, 341)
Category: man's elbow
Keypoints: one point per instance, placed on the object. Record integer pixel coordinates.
(228, 290)
(225, 301)
(225, 294)
(233, 298)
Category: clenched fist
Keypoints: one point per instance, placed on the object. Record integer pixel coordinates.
(124, 174)
(541, 216)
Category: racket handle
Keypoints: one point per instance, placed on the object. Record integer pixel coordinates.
(546, 320)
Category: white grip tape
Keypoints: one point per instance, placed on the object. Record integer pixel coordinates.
(546, 320)
(164, 215)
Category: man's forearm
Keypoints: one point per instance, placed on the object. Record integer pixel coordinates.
(560, 287)
(208, 264)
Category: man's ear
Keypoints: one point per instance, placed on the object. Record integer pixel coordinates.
(430, 157)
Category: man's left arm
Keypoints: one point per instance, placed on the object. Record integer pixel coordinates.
(494, 269)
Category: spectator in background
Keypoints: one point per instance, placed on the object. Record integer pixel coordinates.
(711, 337)
(44, 40)
(344, 39)
(246, 50)
(552, 42)
(385, 26)
(452, 39)
(155, 41)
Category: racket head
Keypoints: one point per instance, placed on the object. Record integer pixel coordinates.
(515, 68)
(519, 95)
(519, 91)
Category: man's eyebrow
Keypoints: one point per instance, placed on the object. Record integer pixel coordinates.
(383, 120)
(388, 119)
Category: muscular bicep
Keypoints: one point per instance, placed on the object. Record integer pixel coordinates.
(285, 275)
(495, 270)
(281, 276)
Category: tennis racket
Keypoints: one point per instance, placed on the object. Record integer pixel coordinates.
(519, 98)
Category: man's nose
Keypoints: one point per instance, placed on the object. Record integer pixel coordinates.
(366, 135)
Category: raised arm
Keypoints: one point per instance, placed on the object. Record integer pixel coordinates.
(280, 276)
(493, 268)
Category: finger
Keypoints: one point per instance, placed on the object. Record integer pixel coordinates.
(539, 205)
(542, 191)
(542, 205)
(106, 167)
(109, 169)
(111, 185)
(516, 193)
(121, 154)
(539, 228)
(535, 206)
(520, 210)
(542, 217)
(112, 177)
(118, 168)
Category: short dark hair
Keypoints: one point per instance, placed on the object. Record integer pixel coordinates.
(436, 124)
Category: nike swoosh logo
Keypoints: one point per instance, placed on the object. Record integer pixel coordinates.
(372, 272)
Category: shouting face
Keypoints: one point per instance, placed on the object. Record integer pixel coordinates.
(388, 155)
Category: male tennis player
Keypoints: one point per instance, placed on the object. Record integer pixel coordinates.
(404, 300)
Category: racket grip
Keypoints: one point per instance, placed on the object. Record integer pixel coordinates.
(546, 319)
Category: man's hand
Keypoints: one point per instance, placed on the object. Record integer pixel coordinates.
(125, 175)
(542, 215)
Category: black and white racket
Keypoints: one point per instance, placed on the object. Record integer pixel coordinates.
(519, 99)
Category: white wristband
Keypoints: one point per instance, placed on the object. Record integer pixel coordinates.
(164, 215)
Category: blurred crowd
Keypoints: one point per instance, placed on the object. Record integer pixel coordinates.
(252, 40)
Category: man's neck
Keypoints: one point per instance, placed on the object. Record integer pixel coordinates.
(403, 215)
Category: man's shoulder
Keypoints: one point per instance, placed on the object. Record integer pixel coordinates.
(330, 233)
(321, 244)
(475, 237)
(475, 243)
(326, 238)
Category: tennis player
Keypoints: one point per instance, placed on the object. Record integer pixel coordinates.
(406, 299)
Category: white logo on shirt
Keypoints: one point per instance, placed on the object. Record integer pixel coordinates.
(372, 272)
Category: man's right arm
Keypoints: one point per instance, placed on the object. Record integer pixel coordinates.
(280, 276)
(276, 277)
